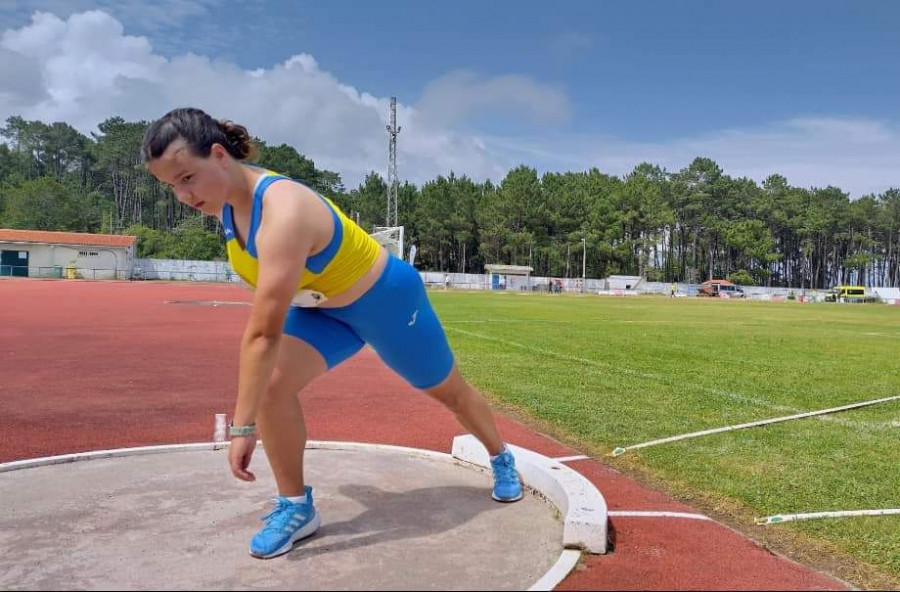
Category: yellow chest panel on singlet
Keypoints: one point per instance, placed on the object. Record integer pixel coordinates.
(347, 257)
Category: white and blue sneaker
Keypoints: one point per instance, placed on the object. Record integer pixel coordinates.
(507, 486)
(286, 524)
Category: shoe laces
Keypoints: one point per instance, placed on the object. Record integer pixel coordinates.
(504, 468)
(280, 516)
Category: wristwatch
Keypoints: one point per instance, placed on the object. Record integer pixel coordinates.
(241, 431)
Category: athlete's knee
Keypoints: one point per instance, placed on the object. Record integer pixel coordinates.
(284, 384)
(453, 392)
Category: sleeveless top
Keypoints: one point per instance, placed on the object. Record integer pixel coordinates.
(344, 260)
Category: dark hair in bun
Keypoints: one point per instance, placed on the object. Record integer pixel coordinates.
(200, 131)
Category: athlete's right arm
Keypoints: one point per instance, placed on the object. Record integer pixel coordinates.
(283, 242)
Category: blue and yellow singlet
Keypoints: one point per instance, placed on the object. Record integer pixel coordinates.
(347, 257)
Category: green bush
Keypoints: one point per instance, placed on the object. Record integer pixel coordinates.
(741, 277)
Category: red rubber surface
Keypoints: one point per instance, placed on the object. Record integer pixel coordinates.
(89, 366)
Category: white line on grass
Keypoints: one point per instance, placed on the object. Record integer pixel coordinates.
(650, 376)
(779, 518)
(621, 451)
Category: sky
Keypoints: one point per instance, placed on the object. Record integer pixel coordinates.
(806, 89)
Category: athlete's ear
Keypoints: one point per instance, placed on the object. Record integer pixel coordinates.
(218, 153)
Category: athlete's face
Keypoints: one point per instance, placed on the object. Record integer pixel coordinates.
(201, 183)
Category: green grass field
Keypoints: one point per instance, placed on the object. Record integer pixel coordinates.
(608, 372)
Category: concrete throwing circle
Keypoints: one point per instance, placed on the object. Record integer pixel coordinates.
(179, 520)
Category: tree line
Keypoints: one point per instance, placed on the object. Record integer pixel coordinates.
(688, 225)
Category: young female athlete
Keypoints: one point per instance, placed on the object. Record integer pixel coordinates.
(323, 289)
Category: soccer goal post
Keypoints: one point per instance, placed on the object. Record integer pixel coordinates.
(391, 238)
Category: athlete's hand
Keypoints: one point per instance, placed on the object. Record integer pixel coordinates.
(239, 456)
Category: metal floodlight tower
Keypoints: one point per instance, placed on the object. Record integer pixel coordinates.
(392, 182)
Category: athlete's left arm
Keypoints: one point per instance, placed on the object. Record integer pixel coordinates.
(283, 242)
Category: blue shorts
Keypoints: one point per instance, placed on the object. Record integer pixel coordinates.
(394, 317)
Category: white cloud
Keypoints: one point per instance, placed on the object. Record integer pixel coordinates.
(89, 70)
(22, 85)
(84, 64)
(858, 155)
(86, 68)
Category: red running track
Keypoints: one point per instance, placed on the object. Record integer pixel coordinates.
(89, 366)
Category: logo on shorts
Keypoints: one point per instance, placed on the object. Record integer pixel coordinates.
(412, 321)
